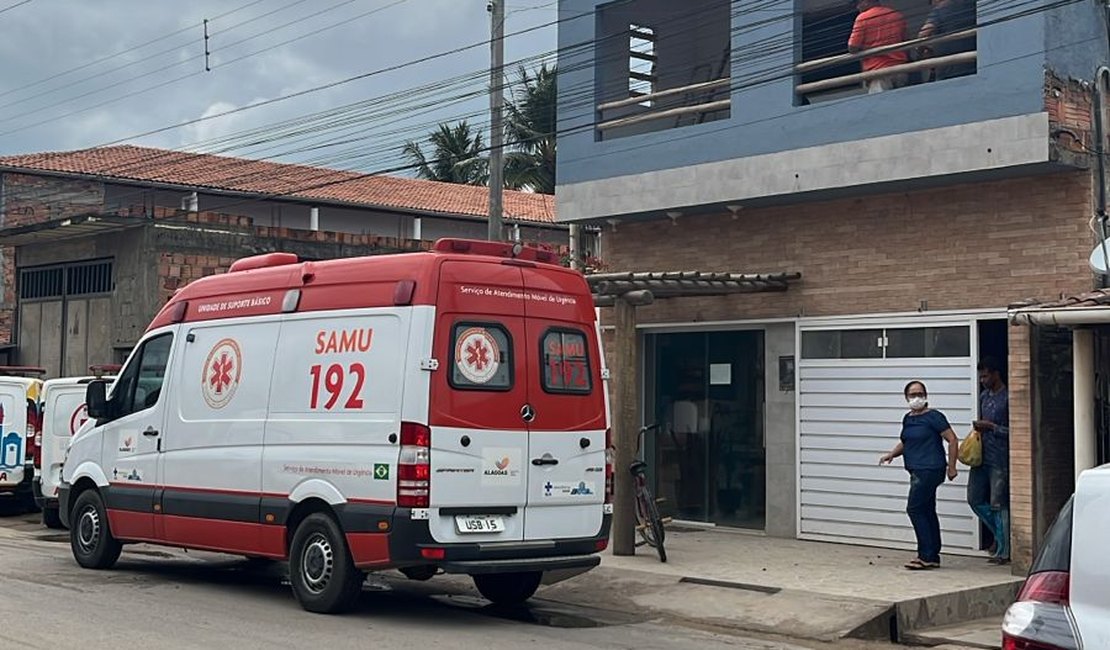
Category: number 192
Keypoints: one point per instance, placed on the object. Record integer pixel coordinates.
(332, 381)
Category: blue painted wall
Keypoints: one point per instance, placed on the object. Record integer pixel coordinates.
(1076, 39)
(764, 119)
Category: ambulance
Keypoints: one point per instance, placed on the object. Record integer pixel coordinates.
(20, 387)
(62, 412)
(442, 411)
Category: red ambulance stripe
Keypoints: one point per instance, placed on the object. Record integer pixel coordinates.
(369, 549)
(225, 536)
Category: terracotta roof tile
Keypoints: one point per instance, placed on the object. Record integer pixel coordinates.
(131, 163)
(1097, 298)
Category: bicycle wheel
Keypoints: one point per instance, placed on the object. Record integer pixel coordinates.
(643, 513)
(655, 523)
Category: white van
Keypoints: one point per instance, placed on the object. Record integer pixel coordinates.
(19, 423)
(62, 412)
(436, 411)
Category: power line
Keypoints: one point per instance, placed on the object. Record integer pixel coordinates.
(13, 6)
(133, 48)
(738, 84)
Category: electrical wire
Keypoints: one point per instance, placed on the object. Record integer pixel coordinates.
(398, 168)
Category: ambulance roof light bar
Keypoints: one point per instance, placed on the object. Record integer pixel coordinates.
(510, 250)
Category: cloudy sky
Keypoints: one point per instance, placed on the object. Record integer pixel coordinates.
(81, 73)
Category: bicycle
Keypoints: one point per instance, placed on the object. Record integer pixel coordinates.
(649, 524)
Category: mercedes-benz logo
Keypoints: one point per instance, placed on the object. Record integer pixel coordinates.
(528, 413)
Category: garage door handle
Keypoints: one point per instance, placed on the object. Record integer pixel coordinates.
(545, 461)
(150, 431)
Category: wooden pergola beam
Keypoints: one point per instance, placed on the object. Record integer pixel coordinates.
(624, 292)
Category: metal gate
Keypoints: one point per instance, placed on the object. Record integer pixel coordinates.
(850, 409)
(64, 316)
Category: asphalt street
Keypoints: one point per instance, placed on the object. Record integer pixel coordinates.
(167, 598)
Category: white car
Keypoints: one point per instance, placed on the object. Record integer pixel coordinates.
(1065, 601)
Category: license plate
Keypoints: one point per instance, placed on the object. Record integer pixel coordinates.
(479, 524)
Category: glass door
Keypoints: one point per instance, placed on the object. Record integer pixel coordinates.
(708, 454)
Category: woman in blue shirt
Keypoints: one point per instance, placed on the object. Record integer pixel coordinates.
(923, 430)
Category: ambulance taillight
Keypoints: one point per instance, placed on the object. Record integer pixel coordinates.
(34, 436)
(414, 469)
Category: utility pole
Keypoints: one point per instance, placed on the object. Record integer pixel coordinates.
(496, 10)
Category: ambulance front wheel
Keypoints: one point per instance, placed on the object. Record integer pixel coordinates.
(508, 588)
(92, 542)
(323, 576)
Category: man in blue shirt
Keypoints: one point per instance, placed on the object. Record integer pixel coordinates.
(988, 486)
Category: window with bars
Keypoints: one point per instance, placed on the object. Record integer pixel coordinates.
(79, 279)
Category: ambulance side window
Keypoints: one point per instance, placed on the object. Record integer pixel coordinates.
(140, 384)
(565, 364)
(481, 357)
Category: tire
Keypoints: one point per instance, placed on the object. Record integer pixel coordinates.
(420, 573)
(651, 525)
(51, 518)
(90, 536)
(508, 588)
(324, 577)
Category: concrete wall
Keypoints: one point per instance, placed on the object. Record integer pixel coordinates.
(781, 434)
(764, 117)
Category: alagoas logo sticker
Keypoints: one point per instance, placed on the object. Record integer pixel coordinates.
(500, 466)
(221, 373)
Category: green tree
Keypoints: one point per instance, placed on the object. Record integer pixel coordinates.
(530, 129)
(457, 156)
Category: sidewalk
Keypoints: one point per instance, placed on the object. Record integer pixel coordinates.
(806, 589)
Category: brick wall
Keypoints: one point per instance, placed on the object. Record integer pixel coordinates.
(973, 246)
(1069, 104)
(967, 246)
(1021, 449)
(183, 260)
(33, 199)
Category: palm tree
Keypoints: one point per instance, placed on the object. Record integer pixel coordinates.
(530, 128)
(457, 156)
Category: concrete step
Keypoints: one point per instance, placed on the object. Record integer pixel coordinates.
(968, 606)
(984, 633)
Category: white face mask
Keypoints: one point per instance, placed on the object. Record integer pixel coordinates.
(917, 403)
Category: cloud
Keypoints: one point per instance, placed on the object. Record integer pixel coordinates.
(44, 39)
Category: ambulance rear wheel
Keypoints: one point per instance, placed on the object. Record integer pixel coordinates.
(51, 518)
(323, 576)
(508, 588)
(90, 538)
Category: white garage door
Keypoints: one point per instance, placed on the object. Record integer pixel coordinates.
(850, 413)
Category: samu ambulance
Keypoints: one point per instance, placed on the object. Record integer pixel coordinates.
(436, 411)
(62, 412)
(20, 387)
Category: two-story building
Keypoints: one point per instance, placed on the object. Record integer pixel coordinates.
(740, 136)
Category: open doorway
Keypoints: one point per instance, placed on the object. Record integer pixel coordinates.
(993, 343)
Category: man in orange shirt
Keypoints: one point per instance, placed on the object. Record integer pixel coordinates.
(876, 26)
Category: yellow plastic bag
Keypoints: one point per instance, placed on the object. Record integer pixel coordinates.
(971, 450)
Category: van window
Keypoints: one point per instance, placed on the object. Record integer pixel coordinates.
(140, 384)
(566, 362)
(481, 357)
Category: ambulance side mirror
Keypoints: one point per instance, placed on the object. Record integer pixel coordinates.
(96, 399)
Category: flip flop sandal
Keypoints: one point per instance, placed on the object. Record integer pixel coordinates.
(915, 565)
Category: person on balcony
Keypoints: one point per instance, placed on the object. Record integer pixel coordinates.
(876, 26)
(949, 17)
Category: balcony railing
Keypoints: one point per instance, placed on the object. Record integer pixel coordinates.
(861, 77)
(652, 109)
